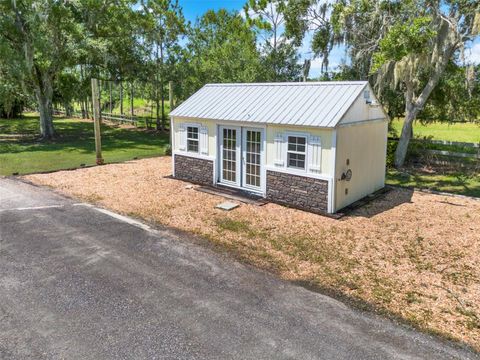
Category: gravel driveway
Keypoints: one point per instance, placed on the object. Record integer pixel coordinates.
(77, 282)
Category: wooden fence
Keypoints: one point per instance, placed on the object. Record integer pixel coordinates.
(451, 143)
(446, 153)
(123, 119)
(453, 154)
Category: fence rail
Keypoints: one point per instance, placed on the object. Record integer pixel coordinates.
(120, 118)
(443, 142)
(105, 116)
(473, 155)
(452, 143)
(453, 154)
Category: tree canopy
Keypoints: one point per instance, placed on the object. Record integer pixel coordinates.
(411, 51)
(403, 47)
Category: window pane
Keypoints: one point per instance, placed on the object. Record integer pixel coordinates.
(296, 161)
(296, 143)
(296, 152)
(192, 132)
(192, 145)
(229, 163)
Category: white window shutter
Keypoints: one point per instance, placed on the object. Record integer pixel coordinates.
(315, 154)
(204, 140)
(279, 150)
(182, 146)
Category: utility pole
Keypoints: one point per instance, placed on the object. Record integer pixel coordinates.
(96, 121)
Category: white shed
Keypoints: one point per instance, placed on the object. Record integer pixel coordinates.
(318, 146)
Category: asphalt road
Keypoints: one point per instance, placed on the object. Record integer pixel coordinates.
(79, 283)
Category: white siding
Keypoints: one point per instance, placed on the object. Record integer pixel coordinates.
(364, 145)
(361, 111)
(319, 148)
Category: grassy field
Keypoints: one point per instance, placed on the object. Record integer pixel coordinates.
(456, 183)
(21, 153)
(462, 132)
(459, 181)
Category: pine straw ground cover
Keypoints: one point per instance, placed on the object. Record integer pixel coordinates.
(411, 255)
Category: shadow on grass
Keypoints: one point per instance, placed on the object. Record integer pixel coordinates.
(78, 136)
(461, 183)
(73, 147)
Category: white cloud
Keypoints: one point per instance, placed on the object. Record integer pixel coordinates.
(472, 55)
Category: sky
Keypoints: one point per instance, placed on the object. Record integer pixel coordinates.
(195, 8)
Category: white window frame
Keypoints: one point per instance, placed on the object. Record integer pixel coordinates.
(195, 126)
(305, 153)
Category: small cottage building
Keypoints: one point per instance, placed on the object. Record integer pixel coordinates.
(317, 146)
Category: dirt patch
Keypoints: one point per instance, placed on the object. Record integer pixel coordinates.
(412, 255)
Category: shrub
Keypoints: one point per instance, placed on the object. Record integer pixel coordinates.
(391, 147)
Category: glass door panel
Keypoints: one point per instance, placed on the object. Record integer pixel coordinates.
(252, 149)
(229, 149)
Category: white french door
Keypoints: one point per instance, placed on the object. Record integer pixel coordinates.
(252, 143)
(241, 152)
(230, 159)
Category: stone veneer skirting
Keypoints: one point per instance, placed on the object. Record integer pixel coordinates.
(193, 169)
(300, 192)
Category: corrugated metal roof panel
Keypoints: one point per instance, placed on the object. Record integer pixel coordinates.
(319, 104)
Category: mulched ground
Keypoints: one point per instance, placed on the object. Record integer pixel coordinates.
(411, 255)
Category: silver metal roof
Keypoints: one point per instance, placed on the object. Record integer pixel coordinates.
(319, 104)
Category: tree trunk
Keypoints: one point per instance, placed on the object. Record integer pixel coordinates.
(170, 96)
(162, 93)
(110, 95)
(68, 109)
(131, 100)
(414, 105)
(82, 108)
(121, 98)
(87, 108)
(44, 99)
(157, 99)
(405, 137)
(83, 101)
(157, 106)
(44, 94)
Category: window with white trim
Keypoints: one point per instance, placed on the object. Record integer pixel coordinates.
(192, 139)
(296, 152)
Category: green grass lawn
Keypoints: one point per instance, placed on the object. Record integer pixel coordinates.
(464, 182)
(75, 145)
(456, 183)
(462, 132)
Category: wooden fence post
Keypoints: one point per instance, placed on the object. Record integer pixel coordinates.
(96, 121)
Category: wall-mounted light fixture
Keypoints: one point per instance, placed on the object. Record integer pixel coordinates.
(346, 175)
